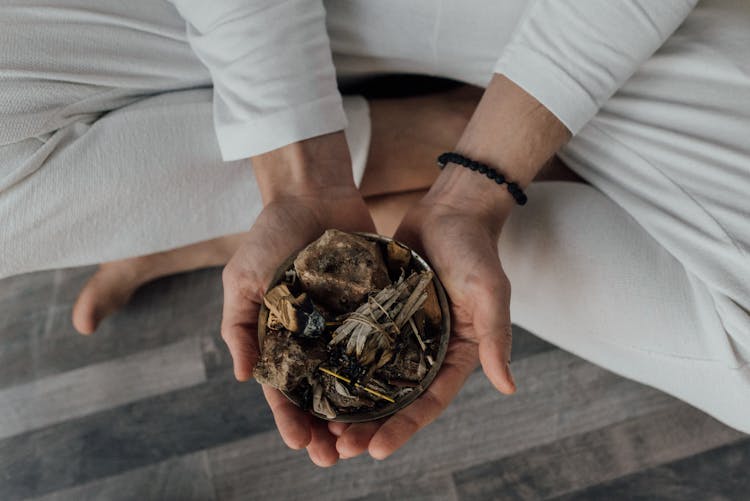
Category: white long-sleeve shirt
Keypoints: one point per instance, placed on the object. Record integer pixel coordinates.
(275, 83)
(272, 69)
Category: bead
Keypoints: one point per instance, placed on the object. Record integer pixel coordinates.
(452, 157)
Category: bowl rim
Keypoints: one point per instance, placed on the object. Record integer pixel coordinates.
(445, 334)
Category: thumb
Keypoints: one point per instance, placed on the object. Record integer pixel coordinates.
(493, 329)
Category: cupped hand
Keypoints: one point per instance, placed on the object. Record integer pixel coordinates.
(285, 225)
(461, 245)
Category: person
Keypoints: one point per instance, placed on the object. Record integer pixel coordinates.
(132, 141)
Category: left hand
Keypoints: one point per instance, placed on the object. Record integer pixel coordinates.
(461, 245)
(456, 227)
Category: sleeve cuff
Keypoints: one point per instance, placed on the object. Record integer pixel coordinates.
(548, 83)
(238, 139)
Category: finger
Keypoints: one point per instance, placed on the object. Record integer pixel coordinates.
(494, 332)
(355, 440)
(401, 426)
(242, 343)
(293, 423)
(322, 447)
(239, 328)
(337, 428)
(494, 354)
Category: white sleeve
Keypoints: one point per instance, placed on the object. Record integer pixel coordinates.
(272, 70)
(573, 55)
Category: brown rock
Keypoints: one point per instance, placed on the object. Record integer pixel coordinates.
(339, 270)
(284, 361)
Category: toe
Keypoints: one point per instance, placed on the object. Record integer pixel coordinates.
(107, 291)
(85, 316)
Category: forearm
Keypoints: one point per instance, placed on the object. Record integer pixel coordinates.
(304, 168)
(511, 131)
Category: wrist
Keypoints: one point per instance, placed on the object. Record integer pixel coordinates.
(509, 131)
(464, 191)
(309, 168)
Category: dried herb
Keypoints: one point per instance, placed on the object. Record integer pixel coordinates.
(354, 325)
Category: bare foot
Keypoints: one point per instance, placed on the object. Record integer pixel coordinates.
(115, 282)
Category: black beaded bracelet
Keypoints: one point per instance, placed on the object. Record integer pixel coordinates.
(458, 159)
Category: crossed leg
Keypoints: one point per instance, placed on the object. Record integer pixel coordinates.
(407, 135)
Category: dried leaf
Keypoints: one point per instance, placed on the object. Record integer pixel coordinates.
(341, 389)
(297, 315)
(398, 256)
(385, 357)
(274, 323)
(279, 302)
(431, 306)
(321, 405)
(370, 329)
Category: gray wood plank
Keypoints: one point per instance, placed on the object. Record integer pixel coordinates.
(44, 341)
(590, 458)
(131, 436)
(559, 395)
(183, 478)
(100, 386)
(25, 297)
(419, 489)
(719, 474)
(24, 304)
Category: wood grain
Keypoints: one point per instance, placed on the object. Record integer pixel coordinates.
(559, 395)
(582, 460)
(185, 478)
(99, 386)
(147, 408)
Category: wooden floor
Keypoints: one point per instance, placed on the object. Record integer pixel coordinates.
(147, 409)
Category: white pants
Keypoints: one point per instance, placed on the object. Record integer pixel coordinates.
(107, 150)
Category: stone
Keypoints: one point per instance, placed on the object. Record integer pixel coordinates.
(339, 270)
(285, 361)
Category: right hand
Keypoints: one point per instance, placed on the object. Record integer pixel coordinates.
(459, 236)
(295, 214)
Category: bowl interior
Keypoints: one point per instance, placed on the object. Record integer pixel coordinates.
(373, 414)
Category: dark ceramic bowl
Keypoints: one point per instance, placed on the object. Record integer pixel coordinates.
(445, 328)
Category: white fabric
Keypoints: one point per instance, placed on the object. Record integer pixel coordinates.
(274, 81)
(573, 55)
(270, 62)
(107, 150)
